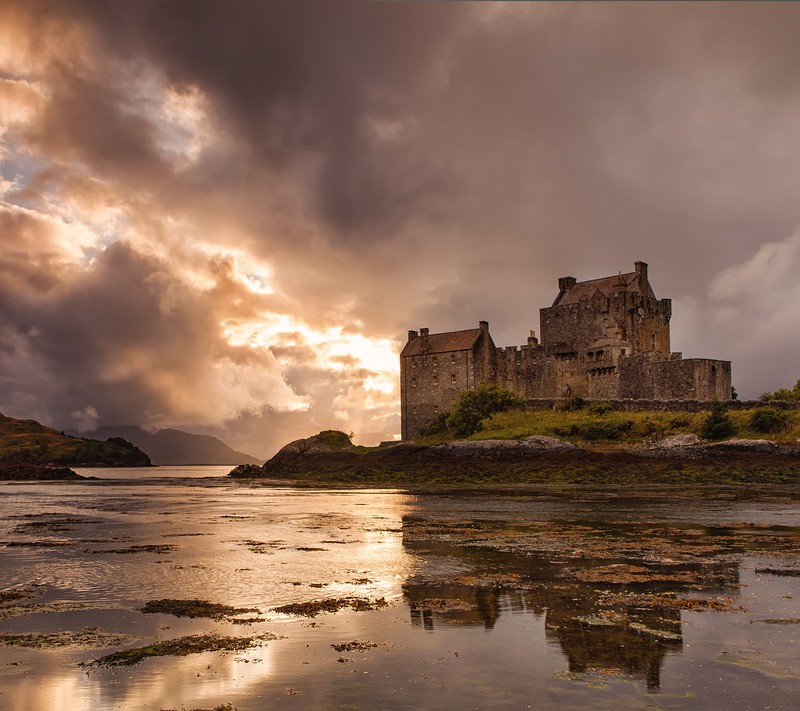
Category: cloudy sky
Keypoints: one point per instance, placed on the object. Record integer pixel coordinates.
(224, 217)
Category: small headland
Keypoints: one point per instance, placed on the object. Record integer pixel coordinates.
(30, 442)
(35, 472)
(737, 468)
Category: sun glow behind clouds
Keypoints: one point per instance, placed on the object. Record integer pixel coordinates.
(183, 124)
(335, 349)
(356, 376)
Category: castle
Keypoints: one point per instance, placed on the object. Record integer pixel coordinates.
(602, 339)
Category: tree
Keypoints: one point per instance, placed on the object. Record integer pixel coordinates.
(768, 419)
(718, 424)
(783, 394)
(437, 427)
(476, 405)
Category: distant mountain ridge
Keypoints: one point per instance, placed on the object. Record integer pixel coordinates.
(172, 447)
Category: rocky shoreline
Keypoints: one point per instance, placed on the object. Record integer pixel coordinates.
(684, 460)
(12, 471)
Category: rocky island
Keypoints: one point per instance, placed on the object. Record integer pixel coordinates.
(680, 463)
(35, 472)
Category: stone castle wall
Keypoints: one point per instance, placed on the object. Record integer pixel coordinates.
(430, 382)
(603, 339)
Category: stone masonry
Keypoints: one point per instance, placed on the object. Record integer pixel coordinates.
(602, 339)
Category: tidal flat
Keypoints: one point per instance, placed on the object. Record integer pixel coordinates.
(181, 589)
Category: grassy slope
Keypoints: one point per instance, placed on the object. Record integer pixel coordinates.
(29, 441)
(583, 428)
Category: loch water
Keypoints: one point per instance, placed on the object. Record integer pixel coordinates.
(448, 601)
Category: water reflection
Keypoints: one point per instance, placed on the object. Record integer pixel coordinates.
(610, 614)
(498, 603)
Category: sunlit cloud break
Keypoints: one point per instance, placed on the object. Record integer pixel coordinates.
(224, 217)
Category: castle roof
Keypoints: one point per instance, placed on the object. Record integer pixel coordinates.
(443, 342)
(585, 290)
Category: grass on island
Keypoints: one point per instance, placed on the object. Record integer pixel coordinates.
(595, 425)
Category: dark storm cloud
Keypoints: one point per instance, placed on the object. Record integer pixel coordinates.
(87, 120)
(130, 340)
(395, 165)
(295, 77)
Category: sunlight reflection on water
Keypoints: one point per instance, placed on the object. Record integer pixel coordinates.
(471, 624)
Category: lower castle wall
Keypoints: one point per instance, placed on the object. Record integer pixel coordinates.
(603, 384)
(666, 405)
(701, 379)
(430, 384)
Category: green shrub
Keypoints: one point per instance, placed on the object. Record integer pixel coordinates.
(438, 426)
(600, 407)
(768, 419)
(782, 394)
(595, 430)
(473, 406)
(335, 439)
(718, 424)
(571, 401)
(680, 422)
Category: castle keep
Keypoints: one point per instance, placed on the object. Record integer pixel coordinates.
(602, 339)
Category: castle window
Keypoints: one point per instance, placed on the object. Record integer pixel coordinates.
(413, 382)
(435, 380)
(436, 408)
(452, 357)
(413, 364)
(435, 360)
(414, 410)
(453, 378)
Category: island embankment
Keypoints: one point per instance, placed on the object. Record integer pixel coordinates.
(680, 464)
(10, 471)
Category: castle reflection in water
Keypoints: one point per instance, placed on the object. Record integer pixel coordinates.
(631, 638)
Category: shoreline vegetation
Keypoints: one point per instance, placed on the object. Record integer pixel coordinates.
(593, 449)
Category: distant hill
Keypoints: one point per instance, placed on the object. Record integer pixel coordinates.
(30, 442)
(169, 446)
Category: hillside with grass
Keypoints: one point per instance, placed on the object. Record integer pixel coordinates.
(30, 442)
(599, 426)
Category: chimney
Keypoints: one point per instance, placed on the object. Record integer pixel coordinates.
(412, 335)
(566, 283)
(483, 325)
(641, 270)
(423, 332)
(532, 340)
